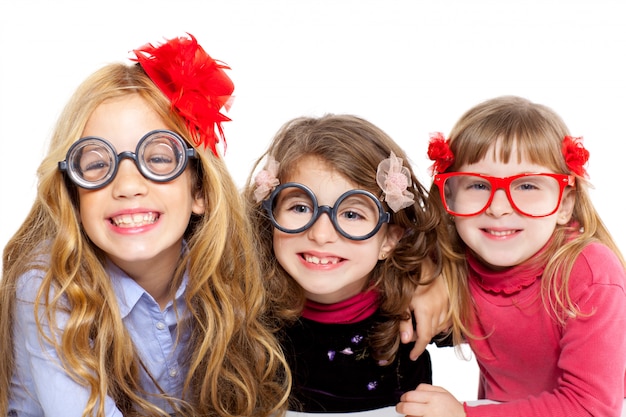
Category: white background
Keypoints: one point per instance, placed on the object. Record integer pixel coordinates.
(409, 66)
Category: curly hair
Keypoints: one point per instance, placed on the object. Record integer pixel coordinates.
(353, 147)
(235, 364)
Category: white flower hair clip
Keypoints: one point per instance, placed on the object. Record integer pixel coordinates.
(394, 179)
(266, 180)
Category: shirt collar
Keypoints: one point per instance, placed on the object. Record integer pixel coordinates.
(128, 292)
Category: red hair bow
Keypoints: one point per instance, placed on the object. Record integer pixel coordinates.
(575, 154)
(439, 151)
(195, 83)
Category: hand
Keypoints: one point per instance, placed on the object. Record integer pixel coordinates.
(429, 401)
(430, 305)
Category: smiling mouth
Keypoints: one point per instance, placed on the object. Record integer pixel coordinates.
(500, 233)
(321, 261)
(135, 220)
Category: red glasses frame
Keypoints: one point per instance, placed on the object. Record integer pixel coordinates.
(498, 183)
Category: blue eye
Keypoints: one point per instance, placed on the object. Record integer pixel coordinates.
(351, 215)
(160, 159)
(98, 165)
(480, 186)
(300, 208)
(528, 187)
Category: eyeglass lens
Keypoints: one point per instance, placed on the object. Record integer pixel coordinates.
(534, 195)
(355, 214)
(92, 162)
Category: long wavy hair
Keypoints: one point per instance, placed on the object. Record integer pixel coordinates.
(524, 129)
(236, 367)
(353, 147)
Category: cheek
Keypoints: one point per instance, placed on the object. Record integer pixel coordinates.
(279, 242)
(189, 197)
(284, 253)
(546, 226)
(86, 215)
(85, 202)
(462, 226)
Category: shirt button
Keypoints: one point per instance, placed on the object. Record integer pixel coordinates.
(173, 372)
(160, 325)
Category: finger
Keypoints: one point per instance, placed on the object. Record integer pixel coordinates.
(429, 388)
(406, 330)
(418, 348)
(443, 324)
(415, 396)
(425, 334)
(410, 409)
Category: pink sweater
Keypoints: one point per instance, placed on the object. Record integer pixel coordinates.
(538, 367)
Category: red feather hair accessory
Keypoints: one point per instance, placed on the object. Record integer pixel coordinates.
(575, 154)
(439, 152)
(195, 83)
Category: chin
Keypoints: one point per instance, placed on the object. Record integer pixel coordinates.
(498, 262)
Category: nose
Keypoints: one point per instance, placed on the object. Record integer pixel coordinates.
(322, 230)
(500, 204)
(128, 181)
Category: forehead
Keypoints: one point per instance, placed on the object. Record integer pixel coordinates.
(501, 162)
(324, 180)
(123, 121)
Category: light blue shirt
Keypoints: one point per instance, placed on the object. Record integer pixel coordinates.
(40, 387)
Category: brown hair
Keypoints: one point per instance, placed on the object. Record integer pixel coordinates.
(353, 147)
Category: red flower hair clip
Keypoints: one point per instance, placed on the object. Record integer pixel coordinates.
(439, 151)
(575, 154)
(195, 83)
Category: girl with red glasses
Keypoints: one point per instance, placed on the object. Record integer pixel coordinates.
(547, 282)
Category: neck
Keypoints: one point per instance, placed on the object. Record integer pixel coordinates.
(154, 275)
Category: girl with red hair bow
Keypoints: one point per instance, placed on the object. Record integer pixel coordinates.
(547, 282)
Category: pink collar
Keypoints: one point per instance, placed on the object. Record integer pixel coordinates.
(507, 281)
(352, 310)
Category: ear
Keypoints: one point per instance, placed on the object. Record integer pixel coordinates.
(566, 209)
(393, 235)
(197, 206)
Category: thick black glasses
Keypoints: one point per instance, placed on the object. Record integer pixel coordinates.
(533, 195)
(160, 156)
(356, 215)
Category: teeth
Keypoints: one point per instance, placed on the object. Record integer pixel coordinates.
(501, 233)
(320, 261)
(134, 220)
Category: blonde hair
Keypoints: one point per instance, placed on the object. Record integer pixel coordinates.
(353, 147)
(235, 364)
(536, 133)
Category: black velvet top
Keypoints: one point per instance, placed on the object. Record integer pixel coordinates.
(333, 370)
